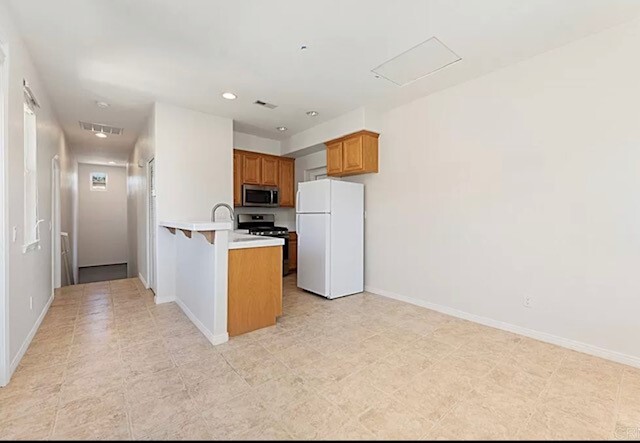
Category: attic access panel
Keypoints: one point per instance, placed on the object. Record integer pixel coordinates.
(418, 62)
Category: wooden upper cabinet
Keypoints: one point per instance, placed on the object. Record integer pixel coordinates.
(269, 174)
(237, 179)
(334, 158)
(286, 182)
(353, 154)
(251, 168)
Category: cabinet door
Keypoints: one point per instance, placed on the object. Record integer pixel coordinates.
(352, 154)
(334, 158)
(286, 182)
(269, 171)
(293, 255)
(237, 179)
(251, 166)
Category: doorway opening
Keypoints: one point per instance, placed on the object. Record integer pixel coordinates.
(151, 225)
(103, 249)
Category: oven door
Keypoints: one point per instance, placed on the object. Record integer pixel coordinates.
(253, 195)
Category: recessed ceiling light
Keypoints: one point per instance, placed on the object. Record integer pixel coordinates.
(229, 95)
(112, 163)
(103, 105)
(101, 135)
(281, 128)
(312, 113)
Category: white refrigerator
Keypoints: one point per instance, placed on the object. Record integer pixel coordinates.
(330, 228)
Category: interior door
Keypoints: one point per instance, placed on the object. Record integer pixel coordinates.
(313, 252)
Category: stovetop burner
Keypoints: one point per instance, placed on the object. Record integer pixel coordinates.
(261, 224)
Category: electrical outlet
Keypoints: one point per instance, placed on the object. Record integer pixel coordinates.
(528, 302)
(31, 303)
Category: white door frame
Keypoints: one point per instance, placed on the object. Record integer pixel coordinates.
(151, 229)
(5, 363)
(56, 248)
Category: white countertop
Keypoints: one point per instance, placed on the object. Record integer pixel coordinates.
(240, 240)
(199, 225)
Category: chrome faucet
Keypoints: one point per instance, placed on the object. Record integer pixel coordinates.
(215, 208)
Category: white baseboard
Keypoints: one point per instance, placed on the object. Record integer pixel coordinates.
(585, 348)
(144, 282)
(25, 345)
(214, 339)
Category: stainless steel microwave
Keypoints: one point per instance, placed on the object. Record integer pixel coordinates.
(253, 195)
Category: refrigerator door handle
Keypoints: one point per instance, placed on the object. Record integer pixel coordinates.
(297, 199)
(297, 225)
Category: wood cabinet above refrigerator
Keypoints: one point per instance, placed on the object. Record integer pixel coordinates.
(353, 154)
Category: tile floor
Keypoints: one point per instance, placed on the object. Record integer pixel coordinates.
(107, 363)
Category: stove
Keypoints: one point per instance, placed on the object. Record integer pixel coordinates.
(264, 224)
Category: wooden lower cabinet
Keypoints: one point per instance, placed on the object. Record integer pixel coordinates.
(255, 289)
(293, 251)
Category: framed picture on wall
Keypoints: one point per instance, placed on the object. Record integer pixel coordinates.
(98, 181)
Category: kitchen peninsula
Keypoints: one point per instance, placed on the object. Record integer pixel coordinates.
(226, 283)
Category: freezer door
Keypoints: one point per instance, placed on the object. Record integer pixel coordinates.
(314, 197)
(313, 252)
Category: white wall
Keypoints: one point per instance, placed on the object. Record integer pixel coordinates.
(102, 217)
(28, 274)
(194, 171)
(137, 199)
(68, 196)
(250, 142)
(522, 183)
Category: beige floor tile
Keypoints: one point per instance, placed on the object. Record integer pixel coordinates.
(310, 417)
(77, 388)
(281, 391)
(193, 428)
(154, 386)
(108, 363)
(166, 414)
(390, 419)
(236, 417)
(146, 358)
(271, 431)
(298, 355)
(353, 394)
(194, 353)
(36, 425)
(91, 416)
(109, 426)
(208, 393)
(552, 424)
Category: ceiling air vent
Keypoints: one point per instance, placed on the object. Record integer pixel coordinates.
(265, 104)
(96, 127)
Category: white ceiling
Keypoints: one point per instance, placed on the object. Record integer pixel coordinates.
(187, 52)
